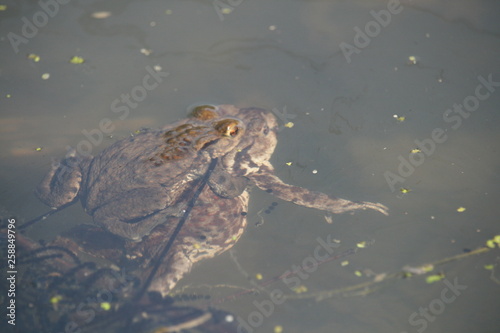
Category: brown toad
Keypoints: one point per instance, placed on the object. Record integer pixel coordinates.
(136, 193)
(136, 183)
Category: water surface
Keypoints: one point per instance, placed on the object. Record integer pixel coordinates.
(344, 90)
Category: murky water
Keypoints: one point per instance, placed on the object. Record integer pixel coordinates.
(343, 70)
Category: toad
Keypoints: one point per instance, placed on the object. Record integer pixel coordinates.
(139, 187)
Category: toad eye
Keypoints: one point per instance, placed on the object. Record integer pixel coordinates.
(266, 130)
(227, 127)
(231, 131)
(204, 112)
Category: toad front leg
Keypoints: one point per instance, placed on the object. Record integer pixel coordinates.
(265, 179)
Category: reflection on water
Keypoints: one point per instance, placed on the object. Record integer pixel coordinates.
(276, 55)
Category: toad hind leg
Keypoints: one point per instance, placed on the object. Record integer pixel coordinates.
(62, 183)
(137, 212)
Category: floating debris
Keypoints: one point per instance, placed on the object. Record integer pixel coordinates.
(399, 118)
(434, 278)
(424, 269)
(34, 57)
(404, 190)
(413, 60)
(490, 243)
(461, 209)
(76, 60)
(300, 289)
(361, 245)
(105, 306)
(45, 76)
(100, 15)
(56, 299)
(416, 150)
